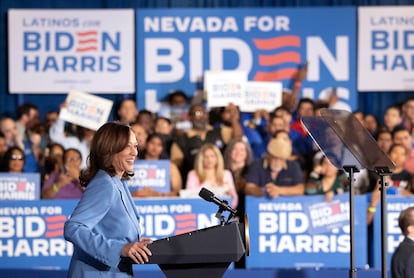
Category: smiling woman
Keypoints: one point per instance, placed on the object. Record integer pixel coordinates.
(104, 227)
(64, 183)
(13, 161)
(209, 172)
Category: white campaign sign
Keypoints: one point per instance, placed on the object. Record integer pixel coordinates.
(261, 95)
(55, 51)
(386, 48)
(224, 87)
(86, 110)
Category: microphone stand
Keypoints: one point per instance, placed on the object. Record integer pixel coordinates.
(219, 215)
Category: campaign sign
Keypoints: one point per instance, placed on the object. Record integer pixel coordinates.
(223, 87)
(86, 110)
(151, 173)
(385, 48)
(173, 216)
(177, 114)
(395, 204)
(31, 233)
(177, 46)
(282, 233)
(324, 217)
(54, 51)
(19, 186)
(261, 95)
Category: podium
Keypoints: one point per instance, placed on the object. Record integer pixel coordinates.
(201, 253)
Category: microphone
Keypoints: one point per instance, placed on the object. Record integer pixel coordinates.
(209, 197)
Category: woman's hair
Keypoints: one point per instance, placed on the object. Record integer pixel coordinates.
(199, 163)
(110, 139)
(4, 163)
(229, 149)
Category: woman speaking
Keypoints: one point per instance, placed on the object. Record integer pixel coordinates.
(104, 226)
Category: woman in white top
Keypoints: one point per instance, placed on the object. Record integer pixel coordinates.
(209, 172)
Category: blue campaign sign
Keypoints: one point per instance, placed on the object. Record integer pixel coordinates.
(172, 216)
(32, 231)
(19, 186)
(395, 204)
(176, 47)
(151, 173)
(300, 232)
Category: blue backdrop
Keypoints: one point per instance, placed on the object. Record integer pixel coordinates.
(175, 47)
(371, 102)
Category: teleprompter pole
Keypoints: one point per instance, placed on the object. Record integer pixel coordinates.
(383, 172)
(351, 170)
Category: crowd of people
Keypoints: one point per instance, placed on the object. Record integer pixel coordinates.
(232, 153)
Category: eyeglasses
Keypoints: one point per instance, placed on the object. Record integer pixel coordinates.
(16, 157)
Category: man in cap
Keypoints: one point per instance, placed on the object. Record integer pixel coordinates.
(275, 175)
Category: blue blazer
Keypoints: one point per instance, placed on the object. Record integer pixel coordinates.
(104, 220)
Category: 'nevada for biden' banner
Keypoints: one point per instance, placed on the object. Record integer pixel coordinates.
(32, 231)
(177, 46)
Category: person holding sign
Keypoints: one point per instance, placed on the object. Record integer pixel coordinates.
(209, 172)
(402, 261)
(326, 179)
(154, 151)
(64, 184)
(80, 138)
(104, 227)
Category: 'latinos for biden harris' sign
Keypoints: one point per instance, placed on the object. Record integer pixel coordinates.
(55, 51)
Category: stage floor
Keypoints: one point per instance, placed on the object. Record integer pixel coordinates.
(231, 273)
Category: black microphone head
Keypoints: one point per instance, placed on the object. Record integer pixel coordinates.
(206, 194)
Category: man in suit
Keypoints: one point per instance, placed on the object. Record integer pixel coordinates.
(402, 262)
